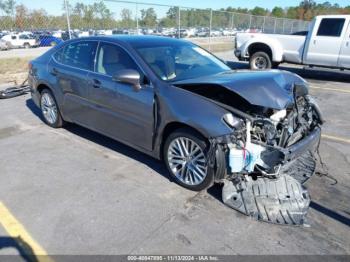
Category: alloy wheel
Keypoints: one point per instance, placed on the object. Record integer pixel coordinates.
(187, 161)
(49, 108)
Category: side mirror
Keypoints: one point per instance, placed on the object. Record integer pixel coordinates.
(128, 76)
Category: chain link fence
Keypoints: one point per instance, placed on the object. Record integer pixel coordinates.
(73, 18)
(25, 27)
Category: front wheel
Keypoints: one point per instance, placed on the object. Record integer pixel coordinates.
(260, 61)
(185, 155)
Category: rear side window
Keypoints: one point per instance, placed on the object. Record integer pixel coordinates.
(331, 27)
(80, 55)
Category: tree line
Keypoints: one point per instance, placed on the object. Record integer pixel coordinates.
(17, 16)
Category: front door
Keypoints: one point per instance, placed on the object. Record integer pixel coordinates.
(118, 110)
(344, 56)
(325, 42)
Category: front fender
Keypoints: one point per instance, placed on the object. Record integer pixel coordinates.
(181, 106)
(274, 45)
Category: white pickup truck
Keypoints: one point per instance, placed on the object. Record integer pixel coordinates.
(326, 44)
(20, 40)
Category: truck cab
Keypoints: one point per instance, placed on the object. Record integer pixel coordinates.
(326, 44)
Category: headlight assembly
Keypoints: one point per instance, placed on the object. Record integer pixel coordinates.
(231, 120)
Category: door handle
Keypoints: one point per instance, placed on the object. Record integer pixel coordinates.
(54, 71)
(314, 42)
(96, 83)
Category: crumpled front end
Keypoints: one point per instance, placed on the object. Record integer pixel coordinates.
(269, 159)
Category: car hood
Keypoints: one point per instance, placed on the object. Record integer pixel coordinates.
(271, 89)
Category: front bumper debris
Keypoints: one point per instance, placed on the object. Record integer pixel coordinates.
(277, 198)
(282, 200)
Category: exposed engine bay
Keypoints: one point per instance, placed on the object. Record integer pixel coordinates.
(269, 154)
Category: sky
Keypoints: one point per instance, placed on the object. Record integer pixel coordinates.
(55, 6)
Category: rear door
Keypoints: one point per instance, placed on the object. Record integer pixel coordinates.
(118, 110)
(70, 66)
(325, 42)
(344, 56)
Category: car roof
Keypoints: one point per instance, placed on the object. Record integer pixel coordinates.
(137, 40)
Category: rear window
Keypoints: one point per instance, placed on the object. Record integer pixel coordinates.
(80, 55)
(331, 27)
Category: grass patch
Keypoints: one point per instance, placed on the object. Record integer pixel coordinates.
(218, 47)
(14, 65)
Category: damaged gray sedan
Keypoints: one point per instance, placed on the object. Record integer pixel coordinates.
(255, 132)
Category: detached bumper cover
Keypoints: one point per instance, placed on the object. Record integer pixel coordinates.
(280, 200)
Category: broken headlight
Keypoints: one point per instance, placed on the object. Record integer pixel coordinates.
(231, 120)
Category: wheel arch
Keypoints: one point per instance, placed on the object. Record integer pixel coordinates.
(172, 127)
(271, 47)
(43, 86)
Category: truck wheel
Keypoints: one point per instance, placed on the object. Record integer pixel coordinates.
(260, 61)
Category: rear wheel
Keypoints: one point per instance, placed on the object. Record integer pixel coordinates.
(185, 155)
(260, 61)
(49, 109)
(26, 45)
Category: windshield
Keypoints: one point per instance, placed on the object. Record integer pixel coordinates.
(181, 61)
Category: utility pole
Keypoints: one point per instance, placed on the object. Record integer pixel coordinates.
(179, 22)
(67, 16)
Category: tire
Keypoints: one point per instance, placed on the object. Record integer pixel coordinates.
(260, 61)
(49, 109)
(191, 173)
(26, 45)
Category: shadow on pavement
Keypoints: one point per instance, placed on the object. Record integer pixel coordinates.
(23, 248)
(107, 142)
(309, 73)
(330, 213)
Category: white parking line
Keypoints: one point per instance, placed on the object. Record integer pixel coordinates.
(330, 89)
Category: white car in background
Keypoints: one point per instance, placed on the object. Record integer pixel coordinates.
(326, 44)
(3, 45)
(22, 40)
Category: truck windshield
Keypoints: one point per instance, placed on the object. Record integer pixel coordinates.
(181, 61)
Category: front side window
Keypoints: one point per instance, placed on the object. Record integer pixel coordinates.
(180, 61)
(80, 55)
(331, 27)
(112, 58)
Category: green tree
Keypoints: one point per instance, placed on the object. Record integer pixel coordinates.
(306, 8)
(259, 11)
(148, 17)
(9, 7)
(277, 12)
(126, 18)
